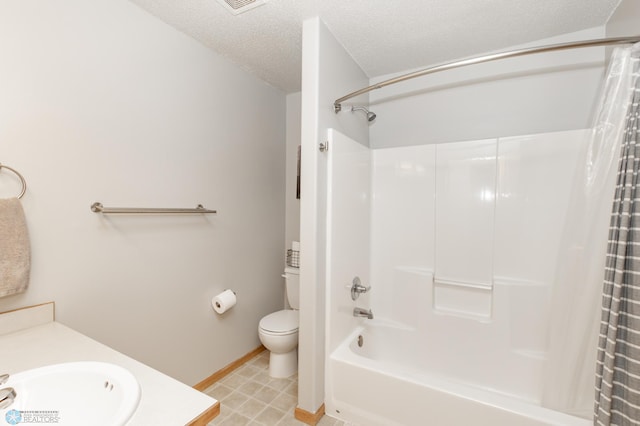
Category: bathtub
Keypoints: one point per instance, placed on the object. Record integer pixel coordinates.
(379, 383)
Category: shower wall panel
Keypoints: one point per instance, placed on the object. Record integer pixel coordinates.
(535, 179)
(489, 213)
(403, 214)
(465, 204)
(473, 214)
(535, 176)
(485, 218)
(348, 231)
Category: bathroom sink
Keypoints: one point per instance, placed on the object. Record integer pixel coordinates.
(75, 393)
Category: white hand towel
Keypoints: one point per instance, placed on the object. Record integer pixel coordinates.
(15, 252)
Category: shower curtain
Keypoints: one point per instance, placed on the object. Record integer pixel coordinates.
(577, 287)
(618, 367)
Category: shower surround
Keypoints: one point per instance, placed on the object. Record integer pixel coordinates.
(460, 244)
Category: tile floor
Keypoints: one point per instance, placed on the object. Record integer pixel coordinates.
(249, 397)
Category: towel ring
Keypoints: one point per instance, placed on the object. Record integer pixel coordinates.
(24, 183)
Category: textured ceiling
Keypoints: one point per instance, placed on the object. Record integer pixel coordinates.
(382, 36)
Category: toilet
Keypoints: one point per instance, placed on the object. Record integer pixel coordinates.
(278, 331)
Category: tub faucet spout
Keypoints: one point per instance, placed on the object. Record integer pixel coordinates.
(360, 312)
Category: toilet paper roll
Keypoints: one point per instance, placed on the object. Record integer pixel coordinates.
(223, 301)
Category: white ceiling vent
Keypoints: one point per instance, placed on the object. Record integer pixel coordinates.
(240, 6)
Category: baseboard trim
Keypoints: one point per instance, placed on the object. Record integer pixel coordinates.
(309, 418)
(227, 369)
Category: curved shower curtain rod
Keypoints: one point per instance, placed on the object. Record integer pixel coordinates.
(337, 105)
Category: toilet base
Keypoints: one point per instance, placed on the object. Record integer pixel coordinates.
(283, 365)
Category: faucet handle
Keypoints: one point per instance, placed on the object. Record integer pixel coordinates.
(3, 378)
(357, 288)
(7, 396)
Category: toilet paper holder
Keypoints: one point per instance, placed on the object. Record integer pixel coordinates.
(234, 293)
(357, 288)
(224, 301)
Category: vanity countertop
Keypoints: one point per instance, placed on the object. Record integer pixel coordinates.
(164, 401)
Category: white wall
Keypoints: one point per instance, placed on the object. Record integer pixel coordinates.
(532, 94)
(327, 73)
(103, 102)
(292, 209)
(625, 21)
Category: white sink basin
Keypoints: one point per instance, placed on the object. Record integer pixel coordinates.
(77, 393)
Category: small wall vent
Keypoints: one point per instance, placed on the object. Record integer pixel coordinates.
(237, 7)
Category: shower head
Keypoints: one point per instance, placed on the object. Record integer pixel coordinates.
(370, 115)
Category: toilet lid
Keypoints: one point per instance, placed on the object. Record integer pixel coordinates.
(281, 322)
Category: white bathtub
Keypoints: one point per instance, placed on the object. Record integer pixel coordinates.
(379, 384)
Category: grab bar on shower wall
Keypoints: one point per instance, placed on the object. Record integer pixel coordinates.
(99, 208)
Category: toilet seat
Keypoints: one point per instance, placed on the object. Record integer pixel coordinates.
(281, 322)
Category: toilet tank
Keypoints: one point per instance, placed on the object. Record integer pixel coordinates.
(292, 280)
